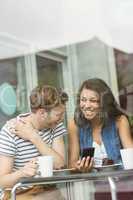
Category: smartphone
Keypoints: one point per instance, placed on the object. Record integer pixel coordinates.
(88, 152)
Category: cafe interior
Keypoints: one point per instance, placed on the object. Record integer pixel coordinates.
(63, 43)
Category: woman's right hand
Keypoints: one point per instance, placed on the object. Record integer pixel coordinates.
(84, 165)
(30, 168)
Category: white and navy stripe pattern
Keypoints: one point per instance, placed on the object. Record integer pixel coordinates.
(22, 150)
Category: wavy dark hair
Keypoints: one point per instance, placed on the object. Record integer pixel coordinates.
(110, 109)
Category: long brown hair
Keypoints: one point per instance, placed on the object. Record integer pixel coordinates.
(109, 107)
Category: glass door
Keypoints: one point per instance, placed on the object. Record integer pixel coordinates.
(49, 72)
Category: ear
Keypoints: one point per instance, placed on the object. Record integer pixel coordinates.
(42, 112)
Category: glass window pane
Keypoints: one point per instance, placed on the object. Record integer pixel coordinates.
(124, 66)
(49, 72)
(12, 73)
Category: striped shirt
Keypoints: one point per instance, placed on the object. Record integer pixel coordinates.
(21, 150)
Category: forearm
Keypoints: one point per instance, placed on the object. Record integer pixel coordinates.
(8, 180)
(44, 149)
(72, 163)
(73, 156)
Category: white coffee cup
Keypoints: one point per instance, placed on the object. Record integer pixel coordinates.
(127, 158)
(45, 166)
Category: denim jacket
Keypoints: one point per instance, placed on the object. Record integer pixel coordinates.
(110, 138)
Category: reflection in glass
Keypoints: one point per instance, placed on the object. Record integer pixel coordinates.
(12, 72)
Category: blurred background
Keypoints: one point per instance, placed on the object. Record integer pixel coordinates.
(66, 67)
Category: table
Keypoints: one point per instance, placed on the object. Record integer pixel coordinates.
(111, 176)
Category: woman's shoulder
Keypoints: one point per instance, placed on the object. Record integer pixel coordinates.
(72, 125)
(122, 120)
(71, 122)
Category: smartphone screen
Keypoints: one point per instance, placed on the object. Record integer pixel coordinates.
(88, 152)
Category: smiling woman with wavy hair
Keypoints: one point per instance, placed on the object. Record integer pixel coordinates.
(109, 108)
(98, 122)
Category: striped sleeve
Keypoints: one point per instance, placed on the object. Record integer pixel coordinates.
(60, 130)
(7, 143)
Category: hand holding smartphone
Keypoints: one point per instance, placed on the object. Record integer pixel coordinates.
(85, 164)
(88, 152)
